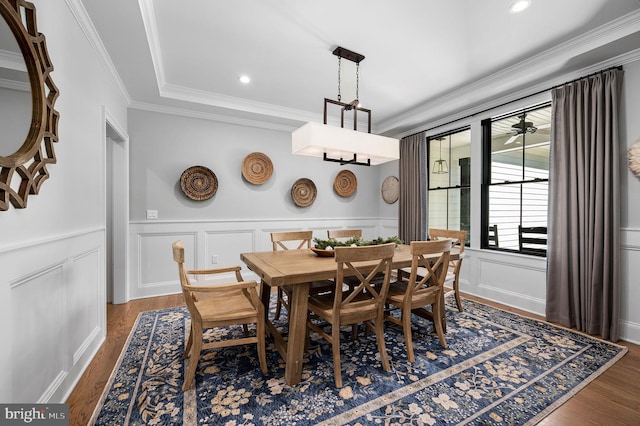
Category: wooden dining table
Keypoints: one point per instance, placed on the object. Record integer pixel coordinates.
(296, 269)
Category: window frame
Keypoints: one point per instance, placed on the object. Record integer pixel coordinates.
(486, 126)
(460, 187)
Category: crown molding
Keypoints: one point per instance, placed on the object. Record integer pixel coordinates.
(151, 30)
(12, 60)
(89, 30)
(459, 116)
(188, 94)
(143, 106)
(20, 86)
(535, 68)
(207, 98)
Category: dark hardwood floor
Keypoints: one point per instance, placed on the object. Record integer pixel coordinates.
(612, 399)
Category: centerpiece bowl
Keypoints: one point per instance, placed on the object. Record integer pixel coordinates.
(322, 253)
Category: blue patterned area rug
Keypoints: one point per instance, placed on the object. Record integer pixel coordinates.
(499, 368)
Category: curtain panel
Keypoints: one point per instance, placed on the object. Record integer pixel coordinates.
(583, 274)
(412, 200)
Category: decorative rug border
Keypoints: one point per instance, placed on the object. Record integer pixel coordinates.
(544, 413)
(190, 397)
(116, 367)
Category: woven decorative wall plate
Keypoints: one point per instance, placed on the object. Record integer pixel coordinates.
(257, 168)
(633, 158)
(199, 183)
(345, 183)
(303, 192)
(390, 189)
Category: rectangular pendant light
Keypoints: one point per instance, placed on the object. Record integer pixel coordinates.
(343, 145)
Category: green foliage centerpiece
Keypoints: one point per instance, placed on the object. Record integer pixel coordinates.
(331, 243)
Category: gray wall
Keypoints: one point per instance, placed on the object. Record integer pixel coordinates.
(241, 216)
(629, 133)
(163, 146)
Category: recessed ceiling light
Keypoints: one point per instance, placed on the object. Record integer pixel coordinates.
(519, 6)
(244, 79)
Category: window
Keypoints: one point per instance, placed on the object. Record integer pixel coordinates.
(516, 179)
(449, 196)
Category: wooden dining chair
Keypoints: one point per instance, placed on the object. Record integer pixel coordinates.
(532, 240)
(419, 291)
(219, 305)
(364, 304)
(492, 240)
(341, 234)
(288, 240)
(458, 239)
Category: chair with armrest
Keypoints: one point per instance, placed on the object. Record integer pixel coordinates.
(288, 240)
(365, 304)
(419, 291)
(219, 305)
(458, 239)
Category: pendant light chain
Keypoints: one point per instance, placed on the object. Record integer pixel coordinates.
(358, 81)
(339, 72)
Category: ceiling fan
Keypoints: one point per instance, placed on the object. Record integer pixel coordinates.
(520, 128)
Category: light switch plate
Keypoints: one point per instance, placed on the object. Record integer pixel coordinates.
(152, 214)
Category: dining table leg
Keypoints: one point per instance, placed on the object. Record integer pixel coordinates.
(265, 295)
(297, 333)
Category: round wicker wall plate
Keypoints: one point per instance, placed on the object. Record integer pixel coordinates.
(390, 189)
(257, 168)
(199, 183)
(303, 192)
(345, 183)
(633, 158)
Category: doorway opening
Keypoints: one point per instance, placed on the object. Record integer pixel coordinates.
(117, 210)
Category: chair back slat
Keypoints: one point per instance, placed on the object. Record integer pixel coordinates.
(365, 296)
(458, 239)
(493, 236)
(297, 239)
(532, 239)
(189, 297)
(432, 273)
(335, 234)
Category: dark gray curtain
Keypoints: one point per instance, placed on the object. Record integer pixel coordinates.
(583, 275)
(412, 209)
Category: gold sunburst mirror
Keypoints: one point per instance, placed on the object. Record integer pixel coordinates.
(28, 119)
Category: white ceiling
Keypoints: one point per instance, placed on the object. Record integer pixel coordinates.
(424, 60)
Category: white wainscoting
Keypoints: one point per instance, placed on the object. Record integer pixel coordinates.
(630, 277)
(520, 281)
(153, 271)
(514, 280)
(53, 314)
